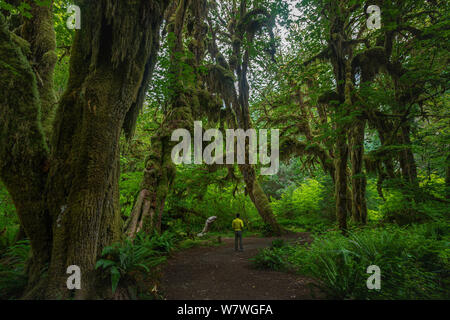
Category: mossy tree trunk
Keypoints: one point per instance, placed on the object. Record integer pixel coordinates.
(359, 207)
(447, 177)
(159, 172)
(24, 153)
(407, 161)
(67, 198)
(239, 63)
(40, 34)
(342, 74)
(259, 198)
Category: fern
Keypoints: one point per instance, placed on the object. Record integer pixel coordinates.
(123, 260)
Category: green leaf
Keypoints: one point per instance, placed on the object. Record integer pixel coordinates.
(103, 263)
(115, 277)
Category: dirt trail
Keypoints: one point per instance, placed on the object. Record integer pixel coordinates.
(220, 273)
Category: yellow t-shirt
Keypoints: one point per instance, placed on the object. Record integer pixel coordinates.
(237, 224)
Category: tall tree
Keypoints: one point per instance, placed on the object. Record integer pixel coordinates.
(66, 191)
(240, 31)
(186, 100)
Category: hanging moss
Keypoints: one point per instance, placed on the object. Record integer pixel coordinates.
(370, 62)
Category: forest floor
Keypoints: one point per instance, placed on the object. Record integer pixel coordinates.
(220, 273)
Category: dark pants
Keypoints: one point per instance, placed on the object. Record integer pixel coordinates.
(238, 237)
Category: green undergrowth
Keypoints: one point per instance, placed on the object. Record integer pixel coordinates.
(414, 262)
(135, 265)
(12, 270)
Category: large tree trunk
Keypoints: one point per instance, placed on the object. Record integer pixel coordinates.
(107, 70)
(341, 181)
(259, 198)
(359, 208)
(160, 171)
(221, 80)
(242, 120)
(28, 108)
(342, 73)
(23, 152)
(72, 211)
(159, 174)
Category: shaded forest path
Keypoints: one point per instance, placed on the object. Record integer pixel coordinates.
(220, 273)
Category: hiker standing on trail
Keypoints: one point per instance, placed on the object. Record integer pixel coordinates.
(238, 225)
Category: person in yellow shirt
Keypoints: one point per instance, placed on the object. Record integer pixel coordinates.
(238, 226)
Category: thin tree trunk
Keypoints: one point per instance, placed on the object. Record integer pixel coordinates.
(407, 162)
(359, 209)
(341, 181)
(447, 178)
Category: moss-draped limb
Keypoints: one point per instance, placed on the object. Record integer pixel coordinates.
(40, 34)
(290, 147)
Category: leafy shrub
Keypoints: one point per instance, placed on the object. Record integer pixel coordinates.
(303, 200)
(401, 210)
(412, 262)
(278, 243)
(163, 243)
(266, 230)
(307, 223)
(308, 207)
(129, 186)
(8, 235)
(274, 258)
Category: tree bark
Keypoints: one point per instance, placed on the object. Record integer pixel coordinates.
(39, 32)
(359, 208)
(259, 198)
(69, 205)
(342, 74)
(160, 170)
(107, 70)
(407, 161)
(240, 103)
(24, 152)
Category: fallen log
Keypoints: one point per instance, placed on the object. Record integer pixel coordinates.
(208, 224)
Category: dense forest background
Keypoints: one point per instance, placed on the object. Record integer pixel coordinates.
(86, 117)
